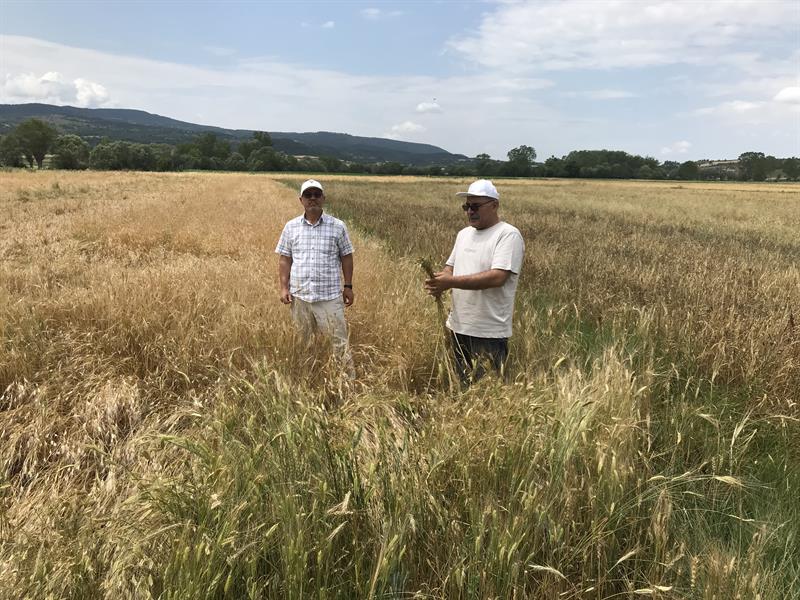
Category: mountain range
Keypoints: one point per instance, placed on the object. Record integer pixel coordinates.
(95, 124)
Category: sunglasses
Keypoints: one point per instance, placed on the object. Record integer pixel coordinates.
(309, 194)
(473, 206)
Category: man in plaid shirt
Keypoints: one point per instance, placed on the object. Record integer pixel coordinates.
(313, 249)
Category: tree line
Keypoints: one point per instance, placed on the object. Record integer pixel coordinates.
(33, 140)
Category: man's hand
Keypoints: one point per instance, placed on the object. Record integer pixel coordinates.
(347, 296)
(284, 271)
(439, 283)
(445, 280)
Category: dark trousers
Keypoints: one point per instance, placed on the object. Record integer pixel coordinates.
(472, 354)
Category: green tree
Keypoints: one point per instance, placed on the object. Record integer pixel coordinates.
(263, 138)
(292, 164)
(36, 138)
(112, 156)
(71, 152)
(11, 151)
(621, 171)
(141, 158)
(759, 170)
(260, 139)
(332, 164)
(670, 168)
(434, 171)
(791, 167)
(460, 170)
(554, 167)
(235, 162)
(355, 167)
(102, 157)
(310, 164)
(187, 156)
(484, 165)
(520, 161)
(688, 170)
(266, 159)
(163, 157)
(752, 166)
(213, 152)
(388, 168)
(645, 172)
(572, 168)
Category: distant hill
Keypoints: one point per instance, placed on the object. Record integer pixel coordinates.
(94, 124)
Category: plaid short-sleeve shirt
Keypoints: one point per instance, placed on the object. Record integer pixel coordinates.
(316, 252)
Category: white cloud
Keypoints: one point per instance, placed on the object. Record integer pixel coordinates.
(29, 86)
(789, 95)
(575, 34)
(762, 121)
(730, 108)
(404, 130)
(681, 147)
(429, 107)
(407, 127)
(329, 25)
(766, 87)
(89, 93)
(742, 106)
(375, 14)
(520, 84)
(602, 94)
(53, 88)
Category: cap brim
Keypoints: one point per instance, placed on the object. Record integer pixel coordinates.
(468, 195)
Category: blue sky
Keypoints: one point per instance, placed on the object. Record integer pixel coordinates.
(676, 80)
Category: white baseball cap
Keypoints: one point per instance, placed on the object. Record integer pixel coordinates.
(310, 183)
(482, 187)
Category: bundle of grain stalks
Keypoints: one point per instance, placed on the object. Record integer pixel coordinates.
(444, 341)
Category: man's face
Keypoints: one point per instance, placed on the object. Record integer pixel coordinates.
(481, 211)
(312, 199)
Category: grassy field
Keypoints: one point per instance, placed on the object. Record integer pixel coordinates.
(162, 434)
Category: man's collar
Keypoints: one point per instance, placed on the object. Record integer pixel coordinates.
(319, 221)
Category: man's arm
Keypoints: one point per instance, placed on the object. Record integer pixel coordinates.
(284, 269)
(445, 280)
(347, 271)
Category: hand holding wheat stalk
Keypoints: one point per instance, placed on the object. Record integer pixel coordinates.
(427, 266)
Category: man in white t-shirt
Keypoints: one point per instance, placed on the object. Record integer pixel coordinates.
(482, 271)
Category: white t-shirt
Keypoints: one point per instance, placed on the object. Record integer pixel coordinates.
(486, 313)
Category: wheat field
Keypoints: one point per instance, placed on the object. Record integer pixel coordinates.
(163, 434)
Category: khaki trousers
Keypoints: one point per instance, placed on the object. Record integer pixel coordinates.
(326, 317)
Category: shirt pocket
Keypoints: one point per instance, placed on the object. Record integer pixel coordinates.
(330, 247)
